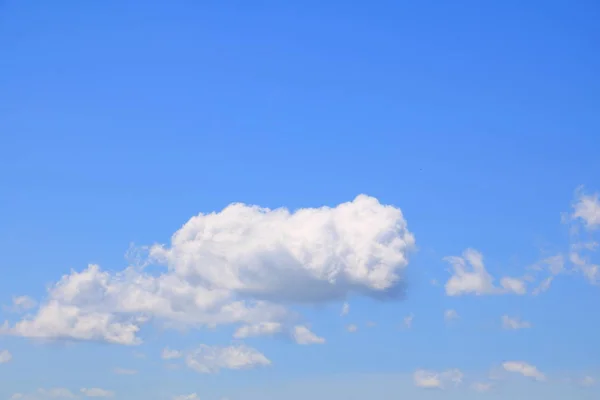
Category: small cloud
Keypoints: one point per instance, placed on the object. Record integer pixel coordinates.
(97, 392)
(169, 354)
(586, 209)
(345, 309)
(514, 323)
(523, 368)
(408, 321)
(211, 359)
(259, 329)
(191, 396)
(371, 324)
(437, 380)
(450, 315)
(351, 328)
(303, 335)
(57, 393)
(21, 304)
(5, 356)
(481, 387)
(588, 381)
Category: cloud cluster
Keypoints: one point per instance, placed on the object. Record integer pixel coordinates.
(437, 380)
(240, 266)
(211, 359)
(469, 276)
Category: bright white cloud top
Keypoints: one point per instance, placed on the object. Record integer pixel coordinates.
(238, 266)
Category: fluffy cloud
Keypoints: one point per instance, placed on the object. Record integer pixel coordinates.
(586, 209)
(240, 266)
(5, 356)
(523, 368)
(437, 380)
(206, 359)
(514, 323)
(303, 335)
(470, 277)
(351, 328)
(450, 315)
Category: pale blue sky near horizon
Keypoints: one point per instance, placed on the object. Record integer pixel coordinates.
(121, 120)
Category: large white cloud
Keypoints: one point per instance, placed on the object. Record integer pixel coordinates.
(469, 276)
(240, 266)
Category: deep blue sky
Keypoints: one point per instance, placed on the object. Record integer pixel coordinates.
(120, 120)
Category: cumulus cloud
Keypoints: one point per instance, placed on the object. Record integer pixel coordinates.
(469, 276)
(303, 335)
(208, 359)
(514, 323)
(450, 315)
(437, 380)
(240, 266)
(5, 356)
(523, 368)
(351, 328)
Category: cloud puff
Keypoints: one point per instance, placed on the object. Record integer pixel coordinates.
(408, 321)
(514, 323)
(259, 329)
(241, 266)
(21, 304)
(5, 356)
(211, 359)
(351, 328)
(303, 335)
(345, 309)
(469, 276)
(437, 380)
(450, 315)
(523, 368)
(586, 209)
(168, 354)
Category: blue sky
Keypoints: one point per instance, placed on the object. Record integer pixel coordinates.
(467, 126)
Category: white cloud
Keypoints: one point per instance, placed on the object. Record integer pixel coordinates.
(5, 356)
(475, 279)
(450, 315)
(259, 329)
(523, 368)
(514, 323)
(303, 335)
(206, 359)
(240, 266)
(124, 371)
(437, 380)
(22, 303)
(169, 354)
(345, 309)
(408, 321)
(586, 209)
(351, 328)
(97, 392)
(17, 396)
(191, 396)
(481, 386)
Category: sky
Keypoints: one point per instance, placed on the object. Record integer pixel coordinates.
(329, 200)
